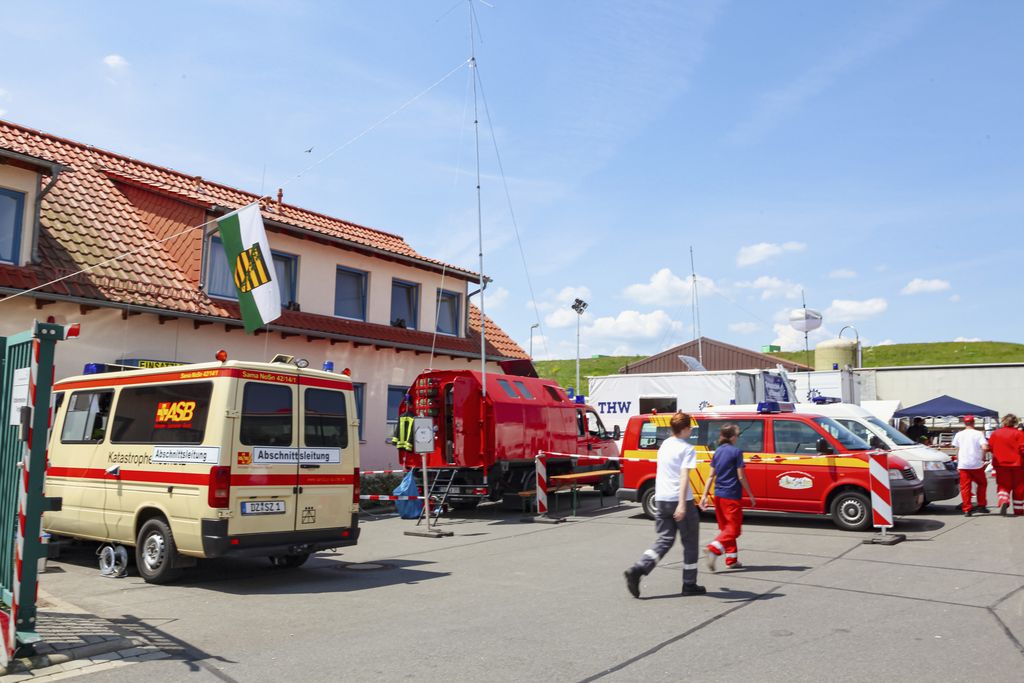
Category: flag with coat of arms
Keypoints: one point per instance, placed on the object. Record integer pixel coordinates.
(251, 266)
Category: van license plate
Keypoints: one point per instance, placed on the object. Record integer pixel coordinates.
(263, 507)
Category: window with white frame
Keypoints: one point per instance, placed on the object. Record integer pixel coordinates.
(350, 293)
(12, 212)
(220, 280)
(449, 309)
(405, 298)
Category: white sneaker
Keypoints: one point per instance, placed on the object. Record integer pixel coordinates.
(710, 560)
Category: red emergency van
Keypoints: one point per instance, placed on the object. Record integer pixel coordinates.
(795, 462)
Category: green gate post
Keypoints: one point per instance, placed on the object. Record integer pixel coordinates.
(22, 501)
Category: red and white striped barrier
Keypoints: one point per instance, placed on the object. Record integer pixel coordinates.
(881, 496)
(373, 497)
(542, 484)
(382, 472)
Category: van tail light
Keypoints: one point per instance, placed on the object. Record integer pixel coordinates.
(219, 493)
(356, 488)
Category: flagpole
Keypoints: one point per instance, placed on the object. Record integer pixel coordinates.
(479, 209)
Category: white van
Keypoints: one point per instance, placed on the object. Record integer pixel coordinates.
(934, 468)
(217, 459)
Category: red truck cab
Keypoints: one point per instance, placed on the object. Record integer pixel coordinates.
(795, 462)
(486, 442)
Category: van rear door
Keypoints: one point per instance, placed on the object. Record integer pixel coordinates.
(264, 467)
(326, 460)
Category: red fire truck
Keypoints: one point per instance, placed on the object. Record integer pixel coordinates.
(484, 444)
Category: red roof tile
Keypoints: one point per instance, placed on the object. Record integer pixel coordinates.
(105, 203)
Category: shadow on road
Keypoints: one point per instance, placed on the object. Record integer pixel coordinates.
(323, 573)
(179, 650)
(725, 595)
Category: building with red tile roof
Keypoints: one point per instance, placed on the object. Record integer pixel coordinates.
(68, 209)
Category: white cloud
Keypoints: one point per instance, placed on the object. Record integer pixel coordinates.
(885, 342)
(665, 287)
(967, 339)
(629, 326)
(563, 316)
(954, 298)
(921, 286)
(842, 274)
(793, 340)
(755, 253)
(116, 62)
(495, 299)
(772, 287)
(559, 306)
(744, 328)
(846, 310)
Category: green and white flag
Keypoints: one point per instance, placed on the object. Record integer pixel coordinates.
(251, 266)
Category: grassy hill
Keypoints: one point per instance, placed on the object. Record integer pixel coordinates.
(935, 353)
(564, 371)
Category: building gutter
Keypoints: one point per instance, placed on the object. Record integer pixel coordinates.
(368, 341)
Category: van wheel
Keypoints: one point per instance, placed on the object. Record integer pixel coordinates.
(648, 504)
(851, 511)
(289, 561)
(155, 552)
(609, 485)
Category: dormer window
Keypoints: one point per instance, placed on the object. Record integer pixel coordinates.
(12, 221)
(219, 281)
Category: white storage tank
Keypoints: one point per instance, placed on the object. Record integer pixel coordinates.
(836, 354)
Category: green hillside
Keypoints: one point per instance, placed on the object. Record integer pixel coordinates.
(564, 371)
(935, 353)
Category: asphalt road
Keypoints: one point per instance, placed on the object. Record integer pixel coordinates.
(503, 600)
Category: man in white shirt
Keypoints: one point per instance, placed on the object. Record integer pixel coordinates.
(676, 511)
(970, 460)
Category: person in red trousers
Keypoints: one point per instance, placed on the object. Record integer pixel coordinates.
(970, 460)
(727, 476)
(1007, 446)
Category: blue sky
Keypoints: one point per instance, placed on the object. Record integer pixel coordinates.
(868, 153)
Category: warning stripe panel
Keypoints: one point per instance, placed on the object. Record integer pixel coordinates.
(201, 479)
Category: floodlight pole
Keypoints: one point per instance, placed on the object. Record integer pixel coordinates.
(579, 305)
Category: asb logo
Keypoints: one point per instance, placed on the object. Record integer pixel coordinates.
(251, 269)
(244, 457)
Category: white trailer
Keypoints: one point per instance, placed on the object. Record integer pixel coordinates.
(617, 397)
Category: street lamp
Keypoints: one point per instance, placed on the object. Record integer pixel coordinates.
(532, 328)
(579, 306)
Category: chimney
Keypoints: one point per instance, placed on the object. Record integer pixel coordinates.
(280, 195)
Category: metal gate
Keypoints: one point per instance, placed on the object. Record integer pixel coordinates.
(26, 383)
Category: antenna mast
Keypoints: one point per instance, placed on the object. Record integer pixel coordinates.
(695, 302)
(479, 209)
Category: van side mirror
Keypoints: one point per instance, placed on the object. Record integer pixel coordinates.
(823, 447)
(876, 442)
(616, 433)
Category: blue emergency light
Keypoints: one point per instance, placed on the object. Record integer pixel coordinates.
(825, 400)
(328, 366)
(775, 407)
(581, 399)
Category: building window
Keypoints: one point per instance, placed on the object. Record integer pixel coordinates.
(359, 393)
(395, 397)
(448, 310)
(405, 304)
(350, 294)
(12, 211)
(220, 283)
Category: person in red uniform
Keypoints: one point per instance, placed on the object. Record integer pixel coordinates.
(1007, 447)
(727, 476)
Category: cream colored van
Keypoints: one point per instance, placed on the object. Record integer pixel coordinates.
(215, 459)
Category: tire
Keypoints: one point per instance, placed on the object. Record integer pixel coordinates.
(289, 561)
(851, 511)
(609, 486)
(647, 502)
(464, 504)
(155, 552)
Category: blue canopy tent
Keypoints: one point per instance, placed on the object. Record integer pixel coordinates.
(945, 406)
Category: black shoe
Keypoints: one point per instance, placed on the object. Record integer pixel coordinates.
(982, 509)
(969, 513)
(693, 589)
(1003, 509)
(633, 581)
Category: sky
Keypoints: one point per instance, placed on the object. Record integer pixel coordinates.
(864, 155)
